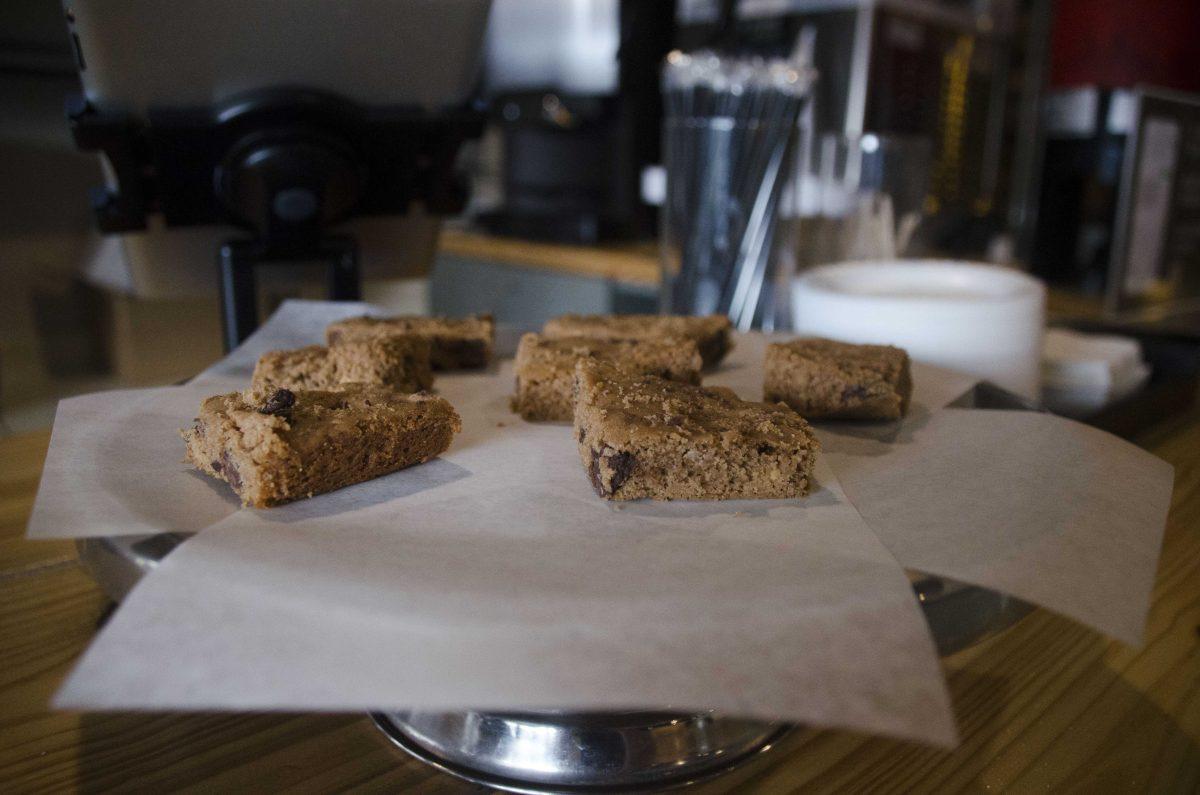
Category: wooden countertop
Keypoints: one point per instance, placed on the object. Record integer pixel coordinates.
(1046, 705)
(632, 263)
(636, 263)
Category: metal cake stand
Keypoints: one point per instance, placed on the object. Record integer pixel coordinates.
(552, 751)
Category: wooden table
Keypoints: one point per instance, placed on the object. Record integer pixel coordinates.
(1047, 704)
(631, 263)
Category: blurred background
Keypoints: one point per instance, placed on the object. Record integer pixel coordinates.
(535, 157)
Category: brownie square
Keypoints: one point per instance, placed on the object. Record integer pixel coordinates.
(641, 436)
(455, 343)
(824, 379)
(401, 362)
(710, 333)
(284, 446)
(545, 368)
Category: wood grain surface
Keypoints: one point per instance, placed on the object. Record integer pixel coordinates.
(1047, 705)
(631, 263)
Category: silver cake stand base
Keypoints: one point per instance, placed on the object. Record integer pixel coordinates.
(539, 752)
(579, 752)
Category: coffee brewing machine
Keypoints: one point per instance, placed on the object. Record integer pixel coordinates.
(255, 134)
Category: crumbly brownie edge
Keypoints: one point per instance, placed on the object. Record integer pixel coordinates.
(300, 368)
(459, 353)
(448, 352)
(213, 446)
(545, 377)
(725, 474)
(401, 362)
(710, 333)
(904, 386)
(851, 402)
(380, 451)
(546, 400)
(681, 470)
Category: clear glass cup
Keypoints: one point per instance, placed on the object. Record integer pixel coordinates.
(859, 198)
(720, 230)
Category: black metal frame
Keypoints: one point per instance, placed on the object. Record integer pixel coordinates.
(197, 166)
(240, 258)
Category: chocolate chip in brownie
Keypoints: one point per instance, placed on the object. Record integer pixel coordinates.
(594, 474)
(855, 392)
(621, 465)
(279, 402)
(230, 472)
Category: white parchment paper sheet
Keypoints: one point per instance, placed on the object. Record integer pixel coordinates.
(1052, 511)
(115, 466)
(493, 577)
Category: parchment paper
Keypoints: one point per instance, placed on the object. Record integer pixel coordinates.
(115, 467)
(1046, 509)
(493, 577)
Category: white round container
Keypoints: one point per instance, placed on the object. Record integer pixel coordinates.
(980, 319)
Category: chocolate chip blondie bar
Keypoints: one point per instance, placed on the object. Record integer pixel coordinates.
(401, 362)
(455, 343)
(824, 379)
(545, 368)
(283, 446)
(643, 436)
(710, 333)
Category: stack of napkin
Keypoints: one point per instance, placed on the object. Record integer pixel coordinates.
(1083, 373)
